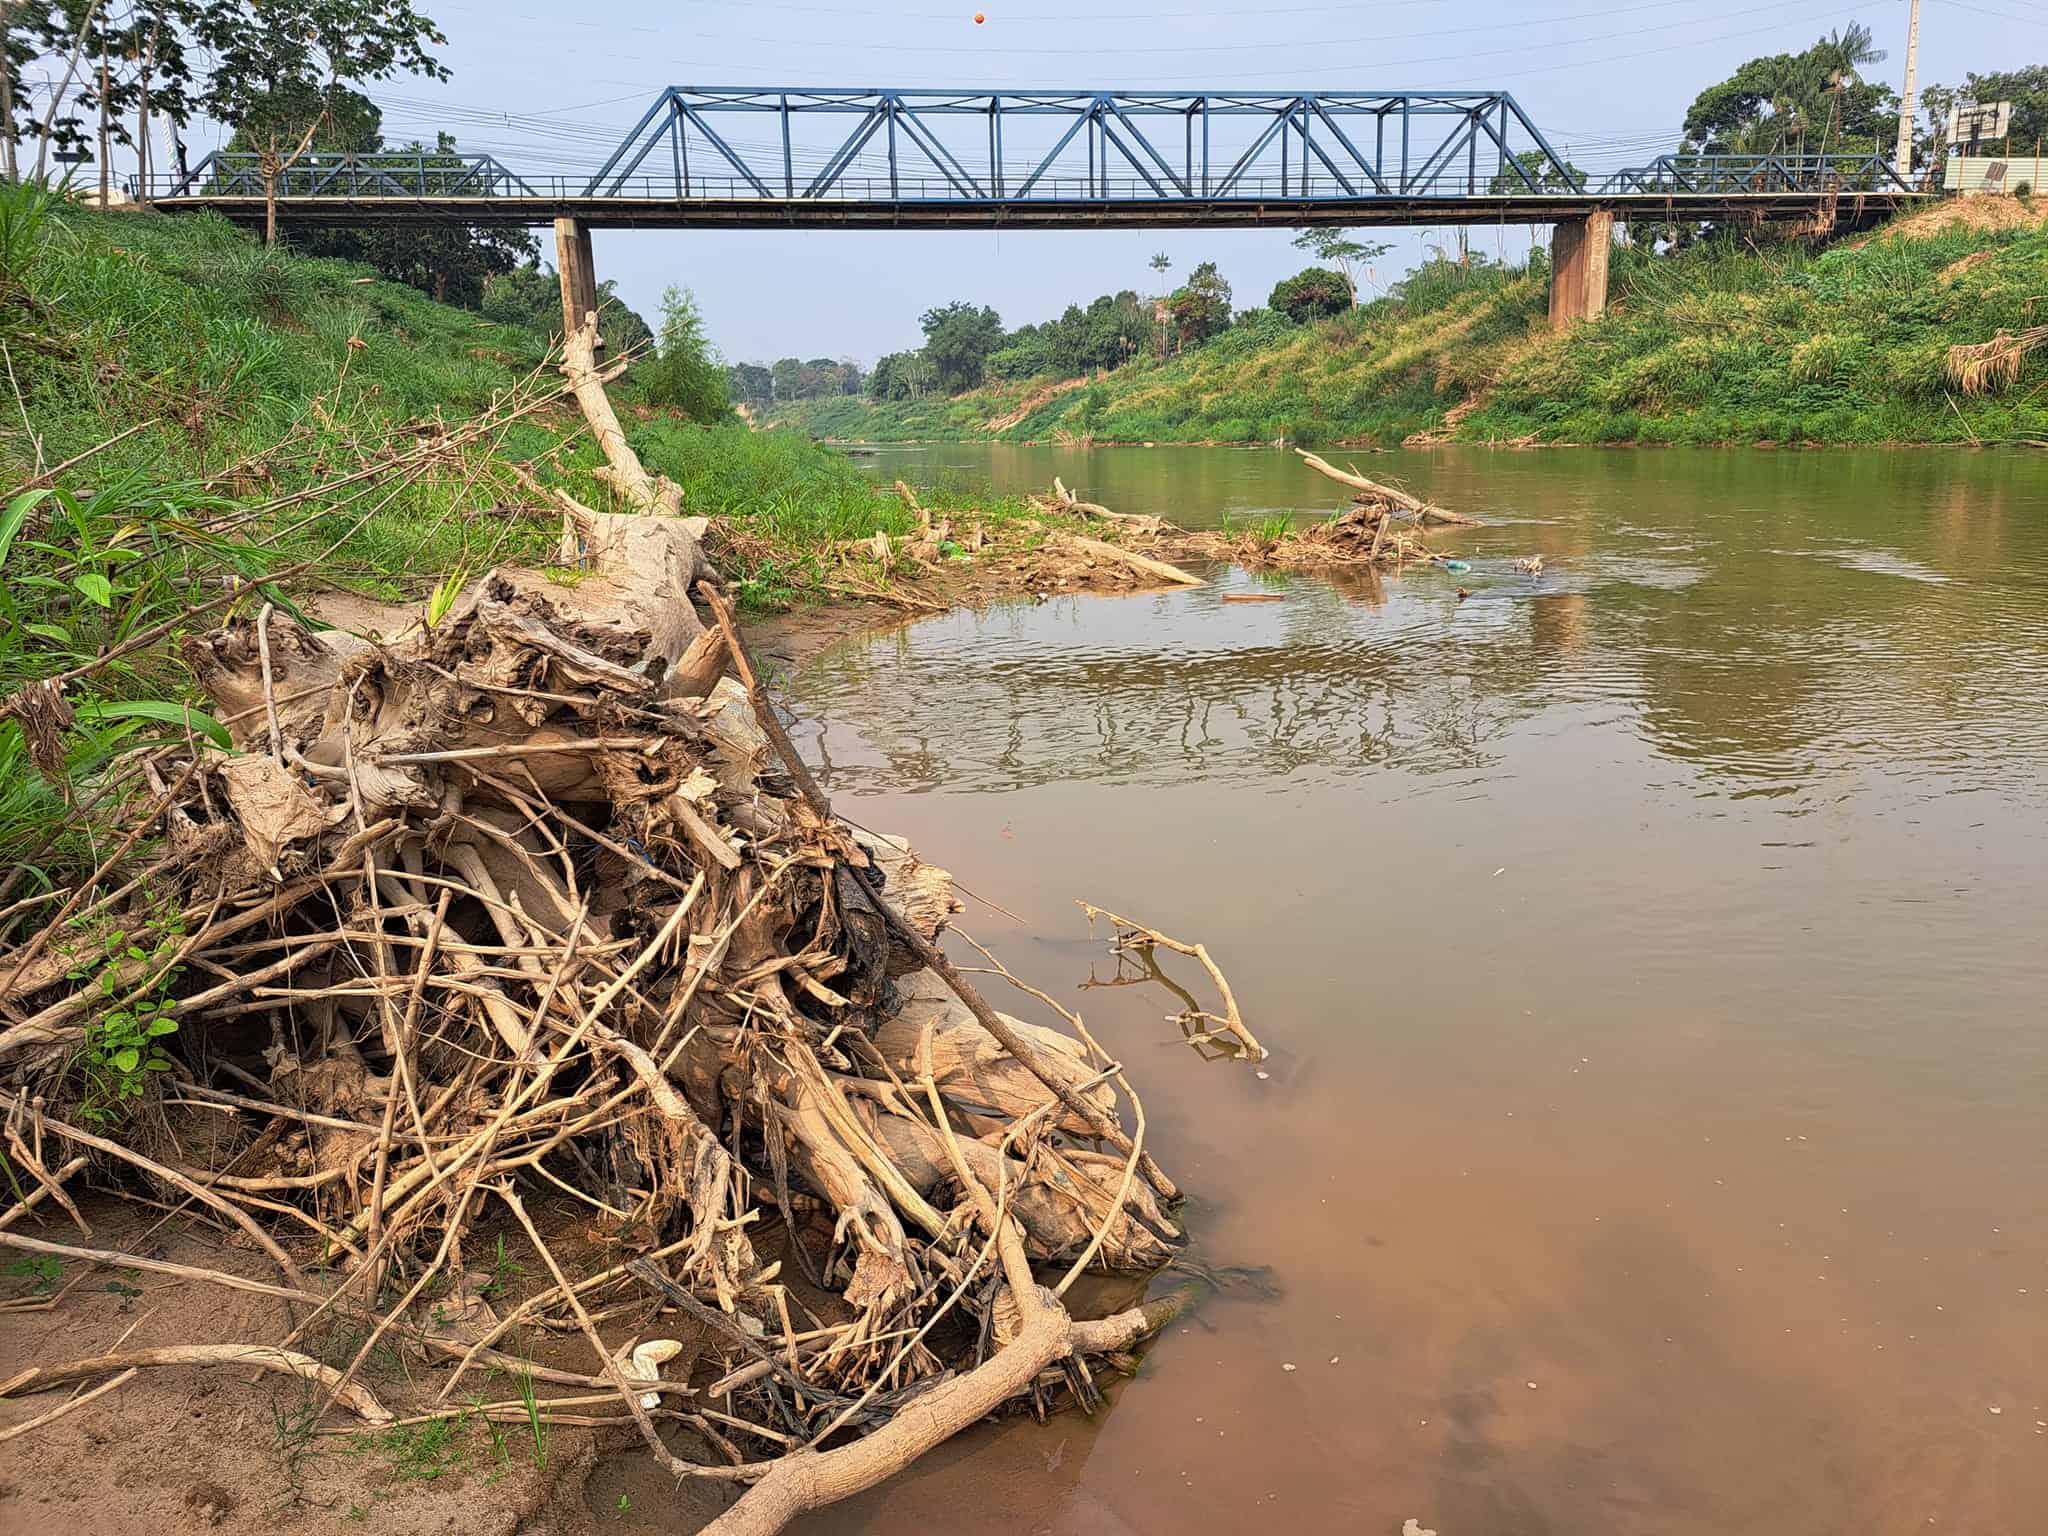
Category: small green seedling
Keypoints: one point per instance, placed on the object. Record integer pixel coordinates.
(42, 1271)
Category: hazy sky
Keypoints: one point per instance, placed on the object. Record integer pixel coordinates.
(1606, 83)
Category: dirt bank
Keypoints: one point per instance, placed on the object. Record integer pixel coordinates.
(177, 1453)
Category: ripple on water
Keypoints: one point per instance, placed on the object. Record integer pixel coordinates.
(1652, 959)
(1714, 660)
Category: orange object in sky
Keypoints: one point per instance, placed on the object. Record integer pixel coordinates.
(979, 18)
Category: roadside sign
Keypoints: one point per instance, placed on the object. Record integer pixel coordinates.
(1971, 121)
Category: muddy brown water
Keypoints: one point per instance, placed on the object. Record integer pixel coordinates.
(1656, 1137)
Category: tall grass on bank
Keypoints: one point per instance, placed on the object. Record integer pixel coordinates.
(1733, 339)
(183, 410)
(781, 506)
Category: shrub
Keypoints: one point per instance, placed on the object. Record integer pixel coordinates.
(684, 373)
(1311, 294)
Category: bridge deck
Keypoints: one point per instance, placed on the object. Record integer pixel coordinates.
(625, 212)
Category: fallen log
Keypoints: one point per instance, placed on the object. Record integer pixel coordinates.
(1145, 565)
(623, 470)
(1064, 500)
(1422, 511)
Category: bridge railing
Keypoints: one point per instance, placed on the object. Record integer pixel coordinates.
(421, 173)
(1726, 175)
(383, 183)
(1452, 170)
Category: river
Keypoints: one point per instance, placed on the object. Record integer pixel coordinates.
(1652, 956)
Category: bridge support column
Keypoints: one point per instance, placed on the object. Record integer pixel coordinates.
(579, 272)
(1579, 252)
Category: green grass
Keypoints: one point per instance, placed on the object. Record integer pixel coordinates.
(1726, 341)
(199, 378)
(211, 388)
(784, 505)
(1268, 529)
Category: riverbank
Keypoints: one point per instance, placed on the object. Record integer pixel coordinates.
(197, 412)
(644, 967)
(1726, 342)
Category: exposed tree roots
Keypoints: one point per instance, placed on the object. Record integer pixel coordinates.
(540, 898)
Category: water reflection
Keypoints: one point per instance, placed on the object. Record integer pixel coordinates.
(1673, 606)
(1651, 959)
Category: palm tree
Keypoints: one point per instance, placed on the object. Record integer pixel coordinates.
(1840, 55)
(1847, 49)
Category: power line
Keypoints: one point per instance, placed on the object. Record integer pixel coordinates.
(1293, 44)
(2025, 21)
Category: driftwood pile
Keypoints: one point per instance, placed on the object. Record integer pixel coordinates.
(1381, 527)
(541, 898)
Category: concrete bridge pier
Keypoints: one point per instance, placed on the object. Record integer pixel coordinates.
(1579, 252)
(579, 273)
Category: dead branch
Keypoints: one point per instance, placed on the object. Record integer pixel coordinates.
(264, 1357)
(1135, 934)
(1422, 511)
(1159, 570)
(15, 1430)
(539, 898)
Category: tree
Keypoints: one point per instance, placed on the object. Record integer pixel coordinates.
(750, 381)
(958, 339)
(1200, 307)
(1160, 264)
(531, 296)
(276, 63)
(1313, 293)
(1117, 329)
(1787, 99)
(451, 263)
(685, 372)
(115, 72)
(262, 67)
(1333, 245)
(1537, 170)
(885, 379)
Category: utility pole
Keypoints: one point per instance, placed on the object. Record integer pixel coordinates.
(106, 171)
(1903, 161)
(7, 163)
(142, 120)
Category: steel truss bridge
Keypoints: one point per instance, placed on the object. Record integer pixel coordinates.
(750, 158)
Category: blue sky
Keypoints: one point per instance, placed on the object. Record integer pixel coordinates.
(1607, 82)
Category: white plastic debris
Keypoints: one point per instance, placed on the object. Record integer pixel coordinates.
(643, 1362)
(1413, 1527)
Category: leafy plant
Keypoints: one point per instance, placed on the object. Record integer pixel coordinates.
(133, 972)
(43, 1271)
(1267, 529)
(684, 372)
(443, 597)
(504, 1270)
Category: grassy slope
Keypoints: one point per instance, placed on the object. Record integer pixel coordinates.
(257, 374)
(1716, 344)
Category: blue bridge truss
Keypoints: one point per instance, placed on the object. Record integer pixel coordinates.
(752, 157)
